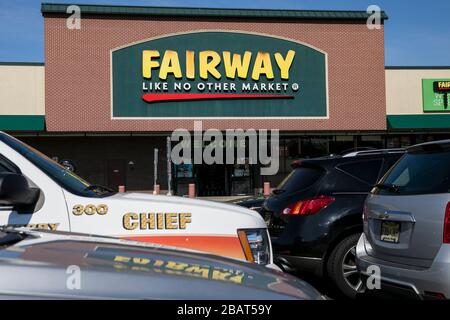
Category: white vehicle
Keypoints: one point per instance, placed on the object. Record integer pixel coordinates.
(53, 198)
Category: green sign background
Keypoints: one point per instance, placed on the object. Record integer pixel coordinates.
(432, 101)
(309, 70)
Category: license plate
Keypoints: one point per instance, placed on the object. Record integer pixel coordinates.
(390, 231)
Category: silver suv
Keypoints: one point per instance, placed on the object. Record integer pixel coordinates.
(407, 226)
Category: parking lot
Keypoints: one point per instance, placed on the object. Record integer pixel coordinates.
(202, 151)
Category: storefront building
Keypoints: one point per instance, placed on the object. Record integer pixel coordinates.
(118, 86)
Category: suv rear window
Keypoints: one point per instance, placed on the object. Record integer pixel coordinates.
(366, 171)
(299, 179)
(419, 173)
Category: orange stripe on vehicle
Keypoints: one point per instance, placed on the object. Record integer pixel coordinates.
(219, 245)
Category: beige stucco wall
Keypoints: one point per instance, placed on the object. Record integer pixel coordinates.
(404, 89)
(22, 90)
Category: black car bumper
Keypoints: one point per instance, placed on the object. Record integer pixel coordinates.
(303, 264)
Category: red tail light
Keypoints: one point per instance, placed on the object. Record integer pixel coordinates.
(296, 163)
(447, 224)
(310, 206)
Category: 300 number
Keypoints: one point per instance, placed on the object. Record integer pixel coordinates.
(90, 209)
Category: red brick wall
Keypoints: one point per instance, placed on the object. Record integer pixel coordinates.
(78, 72)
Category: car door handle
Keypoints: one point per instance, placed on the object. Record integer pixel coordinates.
(390, 215)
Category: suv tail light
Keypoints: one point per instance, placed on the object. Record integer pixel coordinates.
(310, 206)
(447, 224)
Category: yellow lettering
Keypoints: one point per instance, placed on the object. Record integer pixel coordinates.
(236, 279)
(78, 210)
(127, 221)
(90, 210)
(102, 209)
(147, 221)
(170, 64)
(53, 226)
(184, 219)
(218, 275)
(209, 60)
(176, 266)
(263, 65)
(443, 85)
(190, 65)
(148, 64)
(122, 259)
(171, 221)
(158, 263)
(237, 64)
(285, 63)
(141, 261)
(160, 221)
(204, 272)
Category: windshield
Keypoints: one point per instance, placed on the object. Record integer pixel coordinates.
(418, 173)
(64, 177)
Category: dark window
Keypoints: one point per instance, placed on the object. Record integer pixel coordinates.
(7, 166)
(3, 168)
(65, 178)
(366, 171)
(388, 163)
(299, 179)
(419, 173)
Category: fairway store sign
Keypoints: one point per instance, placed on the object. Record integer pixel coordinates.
(218, 74)
(435, 94)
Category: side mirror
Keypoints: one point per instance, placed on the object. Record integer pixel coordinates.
(15, 191)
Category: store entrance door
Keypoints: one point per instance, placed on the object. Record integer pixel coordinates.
(212, 180)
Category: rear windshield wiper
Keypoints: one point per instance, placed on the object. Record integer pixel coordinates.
(278, 191)
(388, 187)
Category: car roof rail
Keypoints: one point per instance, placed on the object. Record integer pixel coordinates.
(374, 152)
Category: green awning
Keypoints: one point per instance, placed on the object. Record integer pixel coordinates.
(419, 121)
(22, 123)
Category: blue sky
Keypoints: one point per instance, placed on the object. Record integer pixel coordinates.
(417, 32)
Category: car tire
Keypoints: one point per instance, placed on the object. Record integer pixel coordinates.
(340, 261)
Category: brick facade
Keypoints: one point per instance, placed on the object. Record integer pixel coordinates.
(77, 71)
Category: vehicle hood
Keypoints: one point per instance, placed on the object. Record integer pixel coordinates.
(186, 203)
(63, 265)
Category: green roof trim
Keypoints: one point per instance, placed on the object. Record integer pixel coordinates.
(12, 63)
(419, 121)
(22, 123)
(49, 8)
